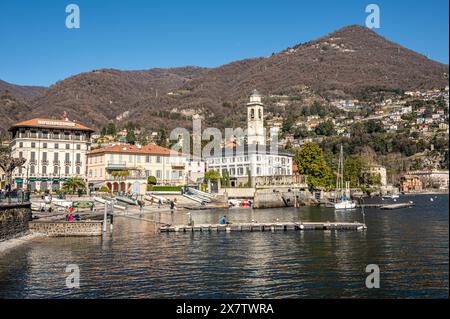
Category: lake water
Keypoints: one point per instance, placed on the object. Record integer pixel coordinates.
(410, 246)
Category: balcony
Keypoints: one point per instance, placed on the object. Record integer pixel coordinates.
(116, 166)
(67, 162)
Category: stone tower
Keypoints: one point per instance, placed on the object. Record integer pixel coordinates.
(255, 120)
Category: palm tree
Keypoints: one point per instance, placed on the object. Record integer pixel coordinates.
(73, 184)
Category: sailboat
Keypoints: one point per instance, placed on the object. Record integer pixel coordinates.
(342, 202)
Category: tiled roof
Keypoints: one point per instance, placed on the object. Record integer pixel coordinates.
(150, 149)
(52, 123)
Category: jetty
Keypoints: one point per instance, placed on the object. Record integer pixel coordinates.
(262, 227)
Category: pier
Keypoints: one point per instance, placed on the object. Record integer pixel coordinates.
(256, 227)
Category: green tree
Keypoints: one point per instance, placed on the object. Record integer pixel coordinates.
(162, 138)
(288, 123)
(212, 175)
(325, 128)
(73, 184)
(311, 162)
(151, 180)
(354, 168)
(225, 180)
(131, 137)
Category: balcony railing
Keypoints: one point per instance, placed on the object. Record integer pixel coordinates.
(117, 165)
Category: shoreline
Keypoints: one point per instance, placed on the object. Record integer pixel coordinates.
(9, 244)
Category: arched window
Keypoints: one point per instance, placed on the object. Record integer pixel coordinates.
(252, 113)
(260, 114)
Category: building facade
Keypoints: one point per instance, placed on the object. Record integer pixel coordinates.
(255, 158)
(55, 150)
(125, 168)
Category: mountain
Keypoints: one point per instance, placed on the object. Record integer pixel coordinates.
(345, 63)
(24, 93)
(97, 97)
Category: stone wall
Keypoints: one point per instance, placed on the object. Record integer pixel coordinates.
(238, 192)
(277, 199)
(67, 229)
(14, 220)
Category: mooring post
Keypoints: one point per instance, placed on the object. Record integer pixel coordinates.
(105, 220)
(111, 223)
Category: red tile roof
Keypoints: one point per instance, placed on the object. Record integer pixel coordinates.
(52, 123)
(150, 149)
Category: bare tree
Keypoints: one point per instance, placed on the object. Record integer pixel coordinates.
(9, 164)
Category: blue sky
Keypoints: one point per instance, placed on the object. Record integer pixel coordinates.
(36, 48)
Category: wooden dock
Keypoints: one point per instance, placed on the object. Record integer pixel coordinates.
(261, 227)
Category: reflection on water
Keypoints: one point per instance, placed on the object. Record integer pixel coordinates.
(409, 245)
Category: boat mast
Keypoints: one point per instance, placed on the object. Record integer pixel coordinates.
(341, 173)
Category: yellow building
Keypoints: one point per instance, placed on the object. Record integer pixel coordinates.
(125, 168)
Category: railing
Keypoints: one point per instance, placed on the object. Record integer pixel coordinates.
(14, 197)
(117, 164)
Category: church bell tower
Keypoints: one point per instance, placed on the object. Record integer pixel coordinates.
(255, 120)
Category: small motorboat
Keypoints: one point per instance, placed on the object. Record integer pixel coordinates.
(345, 204)
(127, 200)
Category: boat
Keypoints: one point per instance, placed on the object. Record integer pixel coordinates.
(342, 202)
(391, 196)
(127, 200)
(62, 203)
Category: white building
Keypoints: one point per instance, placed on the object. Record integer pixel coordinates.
(255, 158)
(55, 150)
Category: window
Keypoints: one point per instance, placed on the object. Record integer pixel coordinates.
(44, 170)
(66, 135)
(67, 146)
(78, 156)
(67, 157)
(148, 159)
(33, 144)
(55, 157)
(56, 136)
(20, 154)
(56, 146)
(77, 136)
(55, 170)
(21, 144)
(45, 135)
(158, 174)
(44, 145)
(44, 156)
(78, 147)
(33, 134)
(78, 170)
(32, 170)
(33, 156)
(67, 170)
(158, 159)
